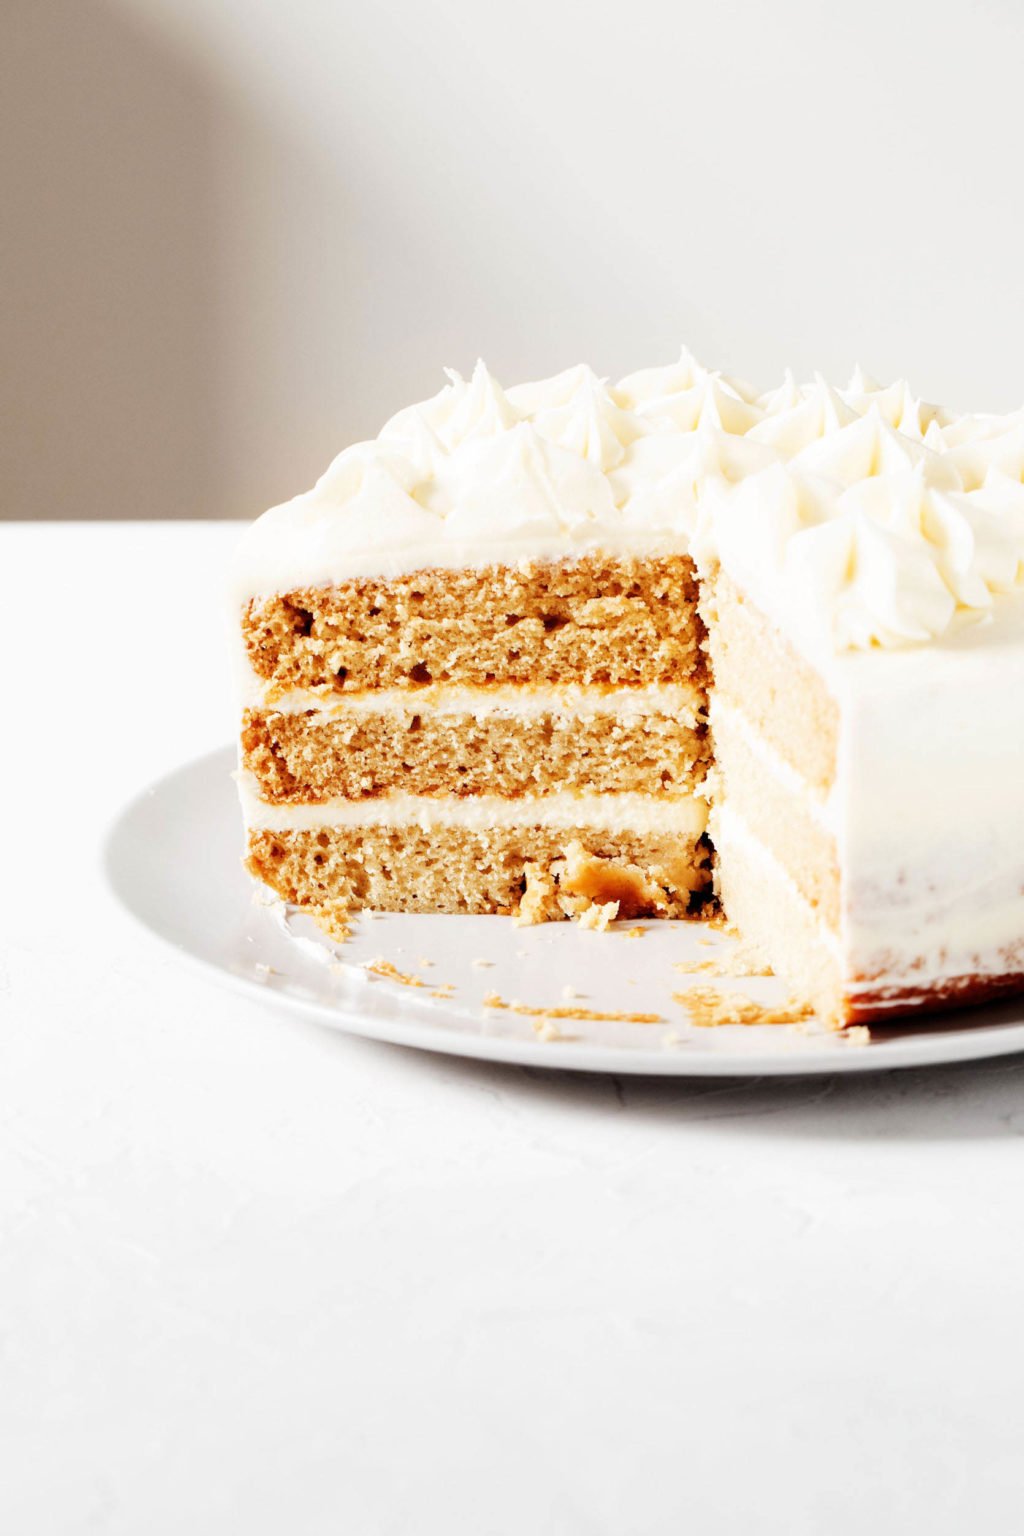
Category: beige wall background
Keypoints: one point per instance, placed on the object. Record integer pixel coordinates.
(236, 234)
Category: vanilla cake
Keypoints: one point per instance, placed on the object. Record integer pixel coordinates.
(657, 648)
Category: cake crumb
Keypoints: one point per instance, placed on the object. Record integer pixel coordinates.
(599, 916)
(710, 1008)
(545, 1029)
(742, 959)
(385, 969)
(584, 1015)
(444, 991)
(603, 882)
(856, 1034)
(481, 965)
(570, 992)
(423, 963)
(670, 1039)
(747, 959)
(333, 919)
(539, 902)
(264, 971)
(585, 887)
(634, 933)
(698, 968)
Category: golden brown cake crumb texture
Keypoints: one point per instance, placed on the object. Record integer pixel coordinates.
(593, 620)
(305, 758)
(711, 1008)
(334, 919)
(582, 1015)
(596, 889)
(407, 869)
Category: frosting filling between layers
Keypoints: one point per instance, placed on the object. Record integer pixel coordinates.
(682, 701)
(728, 827)
(653, 815)
(773, 764)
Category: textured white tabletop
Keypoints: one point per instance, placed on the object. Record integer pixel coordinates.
(256, 1277)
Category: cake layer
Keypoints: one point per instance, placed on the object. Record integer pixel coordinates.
(594, 620)
(407, 868)
(768, 793)
(358, 754)
(780, 693)
(764, 903)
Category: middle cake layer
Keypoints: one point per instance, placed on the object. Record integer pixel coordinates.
(463, 742)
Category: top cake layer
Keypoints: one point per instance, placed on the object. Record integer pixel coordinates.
(857, 519)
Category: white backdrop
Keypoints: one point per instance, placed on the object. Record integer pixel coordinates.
(241, 232)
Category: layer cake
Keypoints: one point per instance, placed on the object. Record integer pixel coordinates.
(581, 650)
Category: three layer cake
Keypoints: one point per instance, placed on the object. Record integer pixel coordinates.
(591, 651)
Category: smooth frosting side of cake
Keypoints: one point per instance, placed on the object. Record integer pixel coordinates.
(931, 808)
(927, 810)
(921, 820)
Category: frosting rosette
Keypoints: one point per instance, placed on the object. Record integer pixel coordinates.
(896, 403)
(518, 485)
(885, 559)
(589, 422)
(794, 417)
(462, 409)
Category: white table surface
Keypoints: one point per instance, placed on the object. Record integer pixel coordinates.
(259, 1277)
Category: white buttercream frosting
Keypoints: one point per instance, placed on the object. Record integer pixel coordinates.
(867, 538)
(683, 701)
(897, 403)
(794, 418)
(564, 810)
(859, 517)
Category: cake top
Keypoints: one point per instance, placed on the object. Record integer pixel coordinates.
(857, 518)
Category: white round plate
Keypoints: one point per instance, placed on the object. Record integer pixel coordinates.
(174, 860)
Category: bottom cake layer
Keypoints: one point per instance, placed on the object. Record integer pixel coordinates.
(762, 902)
(538, 872)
